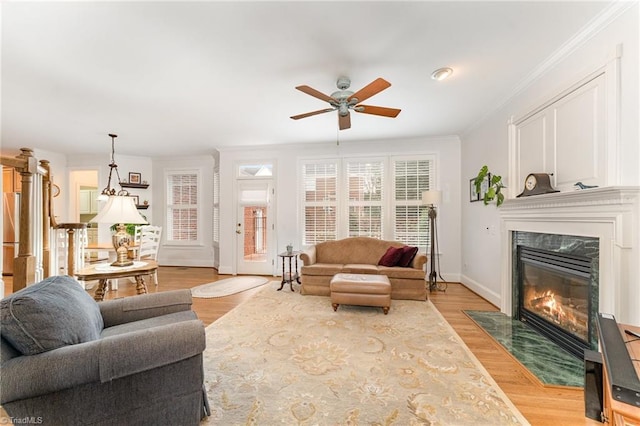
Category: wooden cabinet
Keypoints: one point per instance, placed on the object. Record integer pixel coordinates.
(619, 413)
(88, 201)
(11, 180)
(92, 235)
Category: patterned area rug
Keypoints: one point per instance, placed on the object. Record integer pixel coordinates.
(283, 358)
(227, 286)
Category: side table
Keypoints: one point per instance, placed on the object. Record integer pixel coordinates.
(105, 272)
(291, 276)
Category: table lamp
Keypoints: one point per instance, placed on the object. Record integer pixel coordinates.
(120, 209)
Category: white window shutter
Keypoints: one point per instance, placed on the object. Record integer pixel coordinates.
(182, 217)
(320, 201)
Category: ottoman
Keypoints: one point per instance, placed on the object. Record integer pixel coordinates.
(361, 290)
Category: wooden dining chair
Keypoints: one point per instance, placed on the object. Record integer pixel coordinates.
(147, 241)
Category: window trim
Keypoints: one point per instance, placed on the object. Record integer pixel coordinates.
(347, 203)
(389, 202)
(198, 171)
(302, 193)
(393, 203)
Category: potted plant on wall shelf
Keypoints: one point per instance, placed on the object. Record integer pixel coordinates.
(494, 189)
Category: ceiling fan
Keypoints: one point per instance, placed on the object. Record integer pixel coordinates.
(345, 100)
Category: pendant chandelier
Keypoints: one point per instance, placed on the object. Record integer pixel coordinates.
(120, 210)
(109, 191)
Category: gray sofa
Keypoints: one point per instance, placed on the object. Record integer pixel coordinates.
(66, 359)
(361, 255)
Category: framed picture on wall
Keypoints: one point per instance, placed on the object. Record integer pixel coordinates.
(136, 199)
(473, 195)
(135, 178)
(484, 187)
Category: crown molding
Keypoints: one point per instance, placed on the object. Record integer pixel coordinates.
(593, 27)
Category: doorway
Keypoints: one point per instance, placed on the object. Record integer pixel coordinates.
(254, 227)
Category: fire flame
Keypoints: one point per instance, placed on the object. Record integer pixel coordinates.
(551, 306)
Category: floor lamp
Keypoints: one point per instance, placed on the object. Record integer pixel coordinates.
(431, 199)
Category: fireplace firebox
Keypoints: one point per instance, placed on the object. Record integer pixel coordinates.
(555, 297)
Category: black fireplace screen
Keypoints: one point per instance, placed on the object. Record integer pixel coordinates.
(555, 296)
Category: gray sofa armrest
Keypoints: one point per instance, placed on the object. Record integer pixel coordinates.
(138, 351)
(308, 256)
(100, 360)
(135, 308)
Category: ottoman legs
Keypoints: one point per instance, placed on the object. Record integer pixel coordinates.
(385, 309)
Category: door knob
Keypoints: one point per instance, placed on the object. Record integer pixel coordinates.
(238, 228)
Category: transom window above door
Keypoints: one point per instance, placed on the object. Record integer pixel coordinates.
(255, 170)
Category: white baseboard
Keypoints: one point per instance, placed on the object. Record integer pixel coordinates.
(481, 290)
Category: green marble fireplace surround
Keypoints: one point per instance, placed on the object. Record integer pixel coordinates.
(552, 365)
(579, 246)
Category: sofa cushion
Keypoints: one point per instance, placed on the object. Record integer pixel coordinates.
(403, 273)
(53, 313)
(322, 269)
(391, 256)
(357, 268)
(408, 253)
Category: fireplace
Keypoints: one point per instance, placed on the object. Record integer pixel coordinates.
(600, 224)
(556, 287)
(554, 297)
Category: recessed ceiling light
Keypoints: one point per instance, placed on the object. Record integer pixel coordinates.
(441, 73)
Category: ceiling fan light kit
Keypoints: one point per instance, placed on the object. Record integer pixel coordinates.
(441, 73)
(345, 101)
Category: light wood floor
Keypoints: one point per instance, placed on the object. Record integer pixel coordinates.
(540, 405)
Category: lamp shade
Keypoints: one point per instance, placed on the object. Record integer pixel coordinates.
(431, 197)
(119, 209)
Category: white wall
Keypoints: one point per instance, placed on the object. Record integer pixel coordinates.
(173, 255)
(126, 164)
(286, 159)
(487, 142)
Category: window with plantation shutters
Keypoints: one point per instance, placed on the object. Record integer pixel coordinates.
(410, 218)
(182, 207)
(320, 201)
(365, 201)
(377, 197)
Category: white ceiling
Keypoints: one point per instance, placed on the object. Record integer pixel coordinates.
(185, 78)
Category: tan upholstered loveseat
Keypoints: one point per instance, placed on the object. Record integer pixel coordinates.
(360, 255)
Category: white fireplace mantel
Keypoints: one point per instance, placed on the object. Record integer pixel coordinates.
(611, 214)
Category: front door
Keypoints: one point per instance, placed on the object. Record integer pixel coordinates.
(254, 227)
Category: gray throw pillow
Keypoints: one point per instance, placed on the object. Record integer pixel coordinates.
(53, 313)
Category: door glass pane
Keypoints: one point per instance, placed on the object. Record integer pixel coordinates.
(255, 233)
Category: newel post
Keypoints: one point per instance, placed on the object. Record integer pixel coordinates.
(25, 263)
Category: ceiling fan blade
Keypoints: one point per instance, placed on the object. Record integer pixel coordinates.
(376, 86)
(316, 94)
(376, 110)
(309, 114)
(344, 121)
